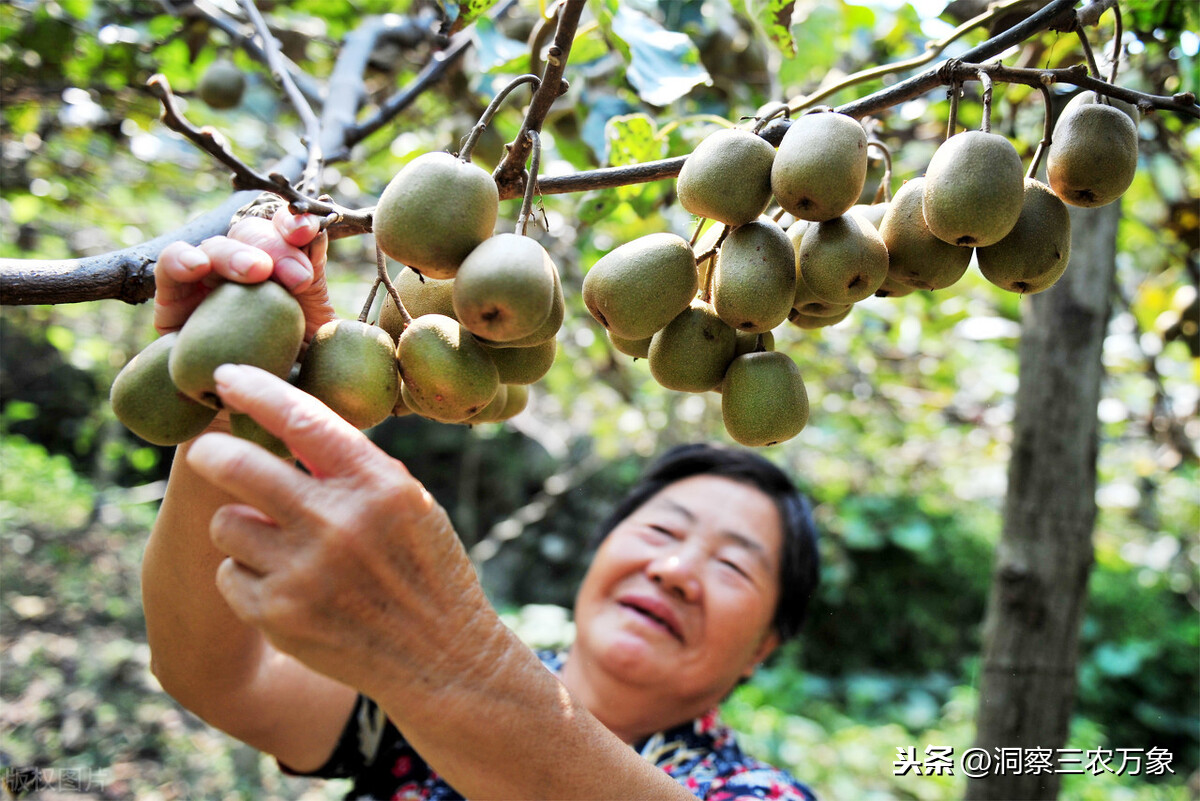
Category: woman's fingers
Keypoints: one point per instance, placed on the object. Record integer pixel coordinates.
(249, 537)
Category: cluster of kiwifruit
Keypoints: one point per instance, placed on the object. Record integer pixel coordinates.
(475, 324)
(702, 314)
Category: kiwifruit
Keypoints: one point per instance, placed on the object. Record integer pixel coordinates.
(755, 277)
(891, 288)
(222, 84)
(401, 409)
(691, 353)
(549, 327)
(257, 324)
(808, 322)
(727, 177)
(351, 367)
(518, 399)
(419, 295)
(973, 189)
(639, 287)
(491, 413)
(247, 428)
(434, 212)
(1093, 155)
(764, 400)
(804, 300)
(748, 343)
(1088, 97)
(842, 260)
(445, 369)
(637, 348)
(917, 258)
(821, 167)
(145, 399)
(523, 365)
(504, 289)
(872, 213)
(1035, 253)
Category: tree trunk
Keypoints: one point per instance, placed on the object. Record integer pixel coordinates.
(1031, 632)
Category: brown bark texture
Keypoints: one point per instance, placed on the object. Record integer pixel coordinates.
(1044, 558)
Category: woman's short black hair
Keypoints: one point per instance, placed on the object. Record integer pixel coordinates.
(798, 572)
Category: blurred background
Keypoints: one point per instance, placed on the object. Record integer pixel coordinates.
(912, 398)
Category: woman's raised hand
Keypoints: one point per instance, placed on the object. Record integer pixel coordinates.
(289, 249)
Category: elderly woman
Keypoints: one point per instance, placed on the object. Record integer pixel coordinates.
(330, 616)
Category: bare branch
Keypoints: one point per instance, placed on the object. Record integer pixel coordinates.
(510, 174)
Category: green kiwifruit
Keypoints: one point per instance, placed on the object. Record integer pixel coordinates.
(642, 285)
(256, 324)
(523, 365)
(445, 368)
(351, 368)
(1035, 253)
(808, 322)
(872, 213)
(491, 413)
(222, 84)
(548, 329)
(504, 289)
(150, 405)
(434, 212)
(518, 399)
(402, 409)
(691, 353)
(842, 260)
(755, 277)
(764, 400)
(891, 288)
(419, 295)
(917, 258)
(727, 177)
(804, 300)
(412, 404)
(637, 348)
(748, 343)
(1093, 155)
(821, 167)
(247, 428)
(1088, 97)
(973, 189)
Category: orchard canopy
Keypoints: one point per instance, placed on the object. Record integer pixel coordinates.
(1004, 468)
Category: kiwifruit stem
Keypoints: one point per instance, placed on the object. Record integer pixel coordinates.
(986, 80)
(1118, 34)
(366, 309)
(1093, 69)
(770, 112)
(535, 161)
(696, 232)
(884, 193)
(1047, 131)
(952, 117)
(706, 290)
(381, 277)
(468, 144)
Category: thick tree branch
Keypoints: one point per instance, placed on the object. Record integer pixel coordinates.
(510, 175)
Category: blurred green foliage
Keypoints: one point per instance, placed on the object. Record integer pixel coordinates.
(912, 398)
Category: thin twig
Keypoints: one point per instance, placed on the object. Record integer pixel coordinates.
(468, 145)
(366, 309)
(696, 231)
(535, 161)
(706, 291)
(1118, 34)
(1047, 131)
(382, 277)
(1093, 69)
(884, 193)
(537, 37)
(244, 177)
(311, 179)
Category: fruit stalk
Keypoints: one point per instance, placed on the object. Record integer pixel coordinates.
(952, 118)
(884, 193)
(1093, 68)
(1118, 33)
(381, 277)
(986, 80)
(1047, 133)
(469, 143)
(535, 162)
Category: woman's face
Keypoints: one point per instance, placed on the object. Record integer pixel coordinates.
(682, 593)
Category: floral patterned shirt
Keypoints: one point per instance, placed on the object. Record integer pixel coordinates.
(702, 755)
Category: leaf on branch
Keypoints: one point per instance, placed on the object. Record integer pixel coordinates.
(663, 65)
(460, 15)
(775, 17)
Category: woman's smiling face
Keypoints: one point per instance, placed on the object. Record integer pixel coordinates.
(682, 592)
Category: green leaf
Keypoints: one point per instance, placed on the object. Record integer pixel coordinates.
(495, 50)
(463, 14)
(663, 65)
(775, 17)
